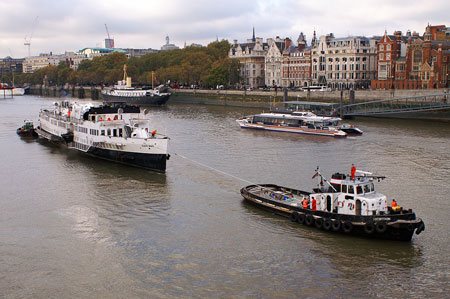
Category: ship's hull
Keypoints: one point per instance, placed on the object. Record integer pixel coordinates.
(26, 133)
(399, 227)
(155, 162)
(155, 100)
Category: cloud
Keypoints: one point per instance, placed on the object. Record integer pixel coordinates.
(70, 25)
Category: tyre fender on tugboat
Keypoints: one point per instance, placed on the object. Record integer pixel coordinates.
(318, 222)
(347, 227)
(420, 228)
(336, 225)
(369, 228)
(380, 227)
(309, 220)
(294, 216)
(301, 218)
(327, 224)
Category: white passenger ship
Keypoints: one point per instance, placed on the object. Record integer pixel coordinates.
(117, 133)
(295, 122)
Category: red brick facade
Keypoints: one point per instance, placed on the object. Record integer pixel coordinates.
(425, 63)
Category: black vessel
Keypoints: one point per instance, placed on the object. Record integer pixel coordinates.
(27, 130)
(346, 204)
(123, 92)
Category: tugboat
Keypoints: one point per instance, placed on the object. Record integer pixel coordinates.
(299, 122)
(346, 204)
(123, 92)
(27, 130)
(119, 133)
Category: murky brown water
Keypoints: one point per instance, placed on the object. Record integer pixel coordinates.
(72, 226)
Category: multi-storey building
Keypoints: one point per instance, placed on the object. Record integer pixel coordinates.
(424, 63)
(273, 60)
(344, 63)
(8, 65)
(389, 49)
(251, 55)
(34, 63)
(296, 64)
(95, 52)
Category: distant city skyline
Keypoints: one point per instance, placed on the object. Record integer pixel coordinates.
(70, 25)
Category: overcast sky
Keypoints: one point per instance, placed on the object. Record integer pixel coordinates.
(70, 25)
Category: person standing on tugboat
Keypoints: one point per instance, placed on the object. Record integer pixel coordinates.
(353, 172)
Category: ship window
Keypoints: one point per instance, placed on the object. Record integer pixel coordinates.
(120, 131)
(349, 197)
(337, 187)
(351, 190)
(115, 132)
(109, 132)
(366, 188)
(344, 188)
(103, 132)
(359, 189)
(372, 187)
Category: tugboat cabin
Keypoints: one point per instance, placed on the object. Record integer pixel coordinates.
(348, 196)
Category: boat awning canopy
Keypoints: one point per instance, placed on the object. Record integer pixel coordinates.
(314, 104)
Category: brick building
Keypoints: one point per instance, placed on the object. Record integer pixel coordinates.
(424, 62)
(296, 64)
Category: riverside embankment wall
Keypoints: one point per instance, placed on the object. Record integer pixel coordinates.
(246, 98)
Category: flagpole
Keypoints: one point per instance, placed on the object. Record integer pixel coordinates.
(153, 73)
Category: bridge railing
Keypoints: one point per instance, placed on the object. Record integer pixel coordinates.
(399, 105)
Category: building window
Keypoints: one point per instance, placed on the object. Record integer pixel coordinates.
(388, 47)
(381, 47)
(417, 56)
(388, 56)
(381, 56)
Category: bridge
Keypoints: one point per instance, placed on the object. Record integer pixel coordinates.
(389, 107)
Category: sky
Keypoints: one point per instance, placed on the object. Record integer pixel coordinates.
(71, 25)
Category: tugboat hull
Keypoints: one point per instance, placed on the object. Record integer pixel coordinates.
(399, 227)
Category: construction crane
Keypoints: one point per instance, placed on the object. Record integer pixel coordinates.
(110, 41)
(28, 39)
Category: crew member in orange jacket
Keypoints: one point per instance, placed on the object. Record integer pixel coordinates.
(353, 171)
(305, 203)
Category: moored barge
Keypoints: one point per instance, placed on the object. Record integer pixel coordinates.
(346, 204)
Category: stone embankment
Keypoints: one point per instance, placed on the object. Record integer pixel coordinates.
(247, 98)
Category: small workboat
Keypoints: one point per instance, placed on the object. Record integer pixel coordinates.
(27, 130)
(346, 204)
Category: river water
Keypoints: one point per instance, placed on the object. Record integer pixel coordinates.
(72, 226)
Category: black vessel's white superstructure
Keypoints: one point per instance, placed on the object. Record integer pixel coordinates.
(118, 133)
(123, 92)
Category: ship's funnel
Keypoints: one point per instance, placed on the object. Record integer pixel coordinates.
(128, 81)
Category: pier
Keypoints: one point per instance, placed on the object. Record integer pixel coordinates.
(399, 107)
